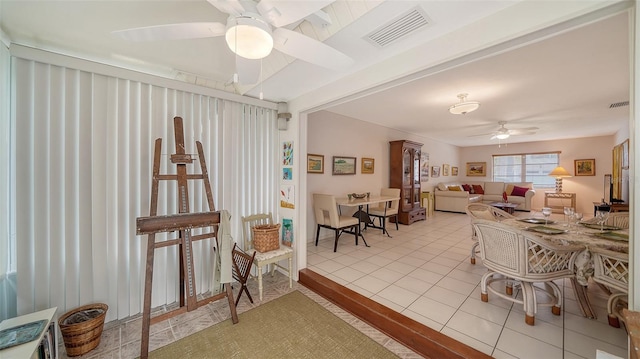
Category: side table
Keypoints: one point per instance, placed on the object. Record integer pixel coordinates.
(558, 200)
(426, 201)
(45, 346)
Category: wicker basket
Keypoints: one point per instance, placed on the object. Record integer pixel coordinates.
(80, 338)
(266, 237)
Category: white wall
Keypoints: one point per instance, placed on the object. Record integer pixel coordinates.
(588, 189)
(330, 134)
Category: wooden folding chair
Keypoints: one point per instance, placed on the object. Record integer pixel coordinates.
(241, 269)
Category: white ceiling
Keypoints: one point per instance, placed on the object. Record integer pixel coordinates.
(562, 84)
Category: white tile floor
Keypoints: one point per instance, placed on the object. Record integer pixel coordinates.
(424, 273)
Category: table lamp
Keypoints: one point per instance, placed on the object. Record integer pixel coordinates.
(559, 173)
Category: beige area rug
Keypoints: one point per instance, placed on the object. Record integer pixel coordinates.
(292, 326)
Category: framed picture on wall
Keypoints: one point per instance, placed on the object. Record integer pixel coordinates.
(344, 165)
(315, 163)
(585, 167)
(435, 171)
(476, 169)
(454, 171)
(367, 165)
(445, 170)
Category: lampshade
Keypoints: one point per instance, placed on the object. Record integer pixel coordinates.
(249, 36)
(464, 106)
(559, 173)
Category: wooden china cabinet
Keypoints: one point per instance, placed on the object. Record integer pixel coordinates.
(405, 174)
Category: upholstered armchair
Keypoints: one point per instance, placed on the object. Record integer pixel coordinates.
(327, 216)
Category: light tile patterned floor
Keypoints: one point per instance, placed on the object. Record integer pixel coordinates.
(424, 273)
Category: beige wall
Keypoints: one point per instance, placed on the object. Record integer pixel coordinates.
(331, 135)
(588, 189)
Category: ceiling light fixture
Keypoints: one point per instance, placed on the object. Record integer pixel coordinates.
(249, 36)
(502, 134)
(464, 106)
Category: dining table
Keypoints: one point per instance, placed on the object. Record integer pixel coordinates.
(588, 235)
(361, 214)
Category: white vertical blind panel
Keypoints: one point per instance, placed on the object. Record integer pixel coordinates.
(84, 167)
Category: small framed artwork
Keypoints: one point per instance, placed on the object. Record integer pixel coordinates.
(625, 154)
(585, 167)
(435, 171)
(445, 170)
(315, 163)
(476, 169)
(287, 173)
(368, 165)
(454, 171)
(424, 167)
(344, 165)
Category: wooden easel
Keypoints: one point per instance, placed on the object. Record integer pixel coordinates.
(182, 222)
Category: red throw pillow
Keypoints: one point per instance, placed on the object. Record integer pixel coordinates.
(519, 191)
(477, 189)
(466, 188)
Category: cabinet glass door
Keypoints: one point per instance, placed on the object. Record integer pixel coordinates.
(406, 167)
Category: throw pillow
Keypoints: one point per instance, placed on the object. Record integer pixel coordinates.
(455, 188)
(477, 189)
(442, 186)
(519, 191)
(509, 189)
(466, 188)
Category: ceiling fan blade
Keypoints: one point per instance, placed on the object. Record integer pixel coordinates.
(282, 13)
(307, 49)
(523, 131)
(248, 70)
(192, 30)
(232, 7)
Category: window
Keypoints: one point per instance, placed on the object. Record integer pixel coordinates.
(533, 167)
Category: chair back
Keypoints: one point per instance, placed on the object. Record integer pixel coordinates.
(611, 268)
(618, 219)
(487, 212)
(250, 221)
(521, 254)
(325, 209)
(392, 192)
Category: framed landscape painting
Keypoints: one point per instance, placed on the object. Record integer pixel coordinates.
(315, 163)
(367, 165)
(344, 165)
(476, 169)
(585, 167)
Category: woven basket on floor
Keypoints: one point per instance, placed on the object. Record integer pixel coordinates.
(80, 338)
(266, 237)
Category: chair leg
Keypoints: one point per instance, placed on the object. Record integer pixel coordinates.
(529, 302)
(335, 245)
(260, 282)
(290, 271)
(396, 222)
(474, 247)
(317, 235)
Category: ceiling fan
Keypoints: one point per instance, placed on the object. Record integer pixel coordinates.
(251, 32)
(503, 133)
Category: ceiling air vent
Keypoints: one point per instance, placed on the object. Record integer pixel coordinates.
(619, 104)
(403, 25)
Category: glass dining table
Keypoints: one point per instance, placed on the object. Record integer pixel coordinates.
(586, 234)
(361, 214)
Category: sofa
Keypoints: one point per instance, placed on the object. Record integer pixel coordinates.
(455, 196)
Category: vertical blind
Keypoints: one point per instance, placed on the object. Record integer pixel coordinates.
(83, 166)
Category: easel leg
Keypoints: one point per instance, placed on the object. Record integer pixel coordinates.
(146, 313)
(232, 305)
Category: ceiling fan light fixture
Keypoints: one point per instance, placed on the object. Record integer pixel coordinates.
(249, 36)
(464, 106)
(502, 136)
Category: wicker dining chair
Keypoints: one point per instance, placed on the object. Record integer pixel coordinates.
(611, 273)
(523, 257)
(265, 259)
(483, 211)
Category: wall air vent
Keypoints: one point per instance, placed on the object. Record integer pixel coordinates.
(401, 26)
(619, 104)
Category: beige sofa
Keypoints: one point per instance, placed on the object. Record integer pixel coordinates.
(456, 201)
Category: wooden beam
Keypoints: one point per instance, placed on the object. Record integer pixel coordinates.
(176, 222)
